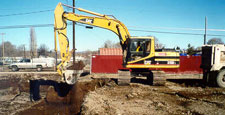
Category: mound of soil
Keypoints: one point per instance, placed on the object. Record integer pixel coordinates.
(138, 99)
(78, 66)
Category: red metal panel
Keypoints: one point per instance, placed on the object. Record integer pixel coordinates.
(106, 63)
(188, 64)
(111, 64)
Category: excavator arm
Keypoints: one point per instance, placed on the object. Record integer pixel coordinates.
(61, 31)
(98, 20)
(103, 22)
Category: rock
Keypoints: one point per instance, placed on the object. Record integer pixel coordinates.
(223, 93)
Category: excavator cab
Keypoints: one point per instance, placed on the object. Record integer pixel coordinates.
(139, 48)
(142, 54)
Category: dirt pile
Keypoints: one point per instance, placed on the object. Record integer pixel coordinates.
(16, 97)
(78, 66)
(154, 100)
(14, 92)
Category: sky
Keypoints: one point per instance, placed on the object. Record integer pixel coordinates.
(150, 15)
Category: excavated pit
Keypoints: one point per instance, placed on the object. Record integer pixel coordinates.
(69, 102)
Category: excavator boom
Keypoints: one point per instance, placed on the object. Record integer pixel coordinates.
(98, 20)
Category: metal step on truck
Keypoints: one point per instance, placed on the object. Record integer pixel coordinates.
(213, 64)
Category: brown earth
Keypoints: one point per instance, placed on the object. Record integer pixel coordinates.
(154, 100)
(102, 96)
(77, 66)
(69, 104)
(14, 91)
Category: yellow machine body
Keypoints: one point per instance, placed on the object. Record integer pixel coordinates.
(147, 58)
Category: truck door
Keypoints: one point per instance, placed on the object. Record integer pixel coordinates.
(28, 63)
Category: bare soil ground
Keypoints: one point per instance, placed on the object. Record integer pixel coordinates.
(154, 100)
(102, 96)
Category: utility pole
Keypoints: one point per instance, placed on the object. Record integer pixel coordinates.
(205, 30)
(3, 48)
(73, 35)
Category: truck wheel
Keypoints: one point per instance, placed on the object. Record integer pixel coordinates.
(39, 68)
(15, 68)
(221, 79)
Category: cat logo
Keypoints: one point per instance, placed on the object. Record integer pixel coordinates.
(86, 20)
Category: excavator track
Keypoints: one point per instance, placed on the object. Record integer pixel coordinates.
(159, 78)
(124, 77)
(153, 77)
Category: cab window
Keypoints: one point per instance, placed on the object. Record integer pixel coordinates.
(24, 60)
(136, 46)
(139, 48)
(27, 60)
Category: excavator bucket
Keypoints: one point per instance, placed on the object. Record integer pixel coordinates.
(72, 73)
(71, 76)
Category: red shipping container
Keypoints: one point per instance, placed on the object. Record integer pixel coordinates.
(188, 65)
(106, 63)
(111, 64)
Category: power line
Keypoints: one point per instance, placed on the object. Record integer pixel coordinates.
(176, 33)
(37, 25)
(174, 28)
(26, 26)
(143, 27)
(163, 32)
(16, 14)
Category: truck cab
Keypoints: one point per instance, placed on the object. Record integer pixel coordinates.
(213, 64)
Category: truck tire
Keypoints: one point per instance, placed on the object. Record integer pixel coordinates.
(39, 68)
(14, 68)
(221, 79)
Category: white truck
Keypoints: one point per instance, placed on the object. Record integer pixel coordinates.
(213, 64)
(27, 64)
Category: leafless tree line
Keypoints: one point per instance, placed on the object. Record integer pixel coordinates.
(11, 50)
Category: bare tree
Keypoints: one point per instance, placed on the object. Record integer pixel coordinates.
(110, 44)
(158, 45)
(9, 50)
(33, 43)
(21, 51)
(43, 50)
(190, 50)
(215, 41)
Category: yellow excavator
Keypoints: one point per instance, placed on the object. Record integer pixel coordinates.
(139, 54)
